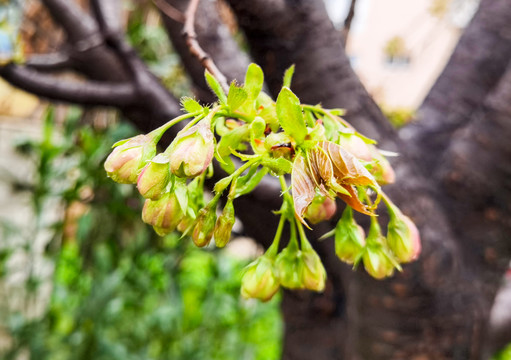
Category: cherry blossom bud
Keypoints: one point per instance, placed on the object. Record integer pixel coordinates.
(377, 262)
(224, 224)
(356, 146)
(128, 157)
(403, 238)
(259, 280)
(205, 225)
(349, 238)
(154, 177)
(163, 214)
(313, 272)
(289, 268)
(322, 208)
(192, 150)
(381, 169)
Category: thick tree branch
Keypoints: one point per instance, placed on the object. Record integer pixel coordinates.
(474, 69)
(78, 92)
(108, 15)
(50, 62)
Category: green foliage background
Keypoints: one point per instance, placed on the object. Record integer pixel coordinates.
(120, 291)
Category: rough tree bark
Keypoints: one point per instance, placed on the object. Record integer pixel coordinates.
(438, 307)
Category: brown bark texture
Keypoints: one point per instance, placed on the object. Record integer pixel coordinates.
(453, 172)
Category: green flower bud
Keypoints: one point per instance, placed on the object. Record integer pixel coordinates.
(377, 261)
(224, 224)
(259, 280)
(163, 214)
(205, 225)
(349, 238)
(381, 169)
(313, 272)
(128, 157)
(192, 150)
(289, 268)
(154, 177)
(322, 208)
(403, 238)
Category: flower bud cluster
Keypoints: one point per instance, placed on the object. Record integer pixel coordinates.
(292, 268)
(326, 157)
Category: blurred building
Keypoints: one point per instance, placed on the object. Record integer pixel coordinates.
(399, 47)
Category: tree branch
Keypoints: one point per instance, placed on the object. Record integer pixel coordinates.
(84, 93)
(195, 48)
(50, 62)
(108, 16)
(170, 11)
(473, 70)
(215, 39)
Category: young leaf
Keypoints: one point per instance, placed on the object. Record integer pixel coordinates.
(288, 76)
(236, 96)
(254, 79)
(215, 86)
(190, 105)
(290, 115)
(248, 182)
(279, 166)
(303, 187)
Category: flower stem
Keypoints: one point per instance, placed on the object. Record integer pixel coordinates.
(158, 133)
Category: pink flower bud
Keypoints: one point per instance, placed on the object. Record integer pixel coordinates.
(381, 169)
(259, 280)
(403, 238)
(163, 214)
(205, 225)
(128, 157)
(322, 208)
(313, 273)
(154, 177)
(355, 145)
(192, 150)
(224, 224)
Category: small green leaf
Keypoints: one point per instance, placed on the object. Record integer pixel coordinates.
(248, 182)
(279, 166)
(290, 115)
(190, 105)
(254, 80)
(228, 142)
(288, 76)
(215, 86)
(236, 97)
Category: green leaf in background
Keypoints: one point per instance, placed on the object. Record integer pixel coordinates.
(236, 97)
(290, 115)
(288, 76)
(254, 80)
(215, 86)
(190, 105)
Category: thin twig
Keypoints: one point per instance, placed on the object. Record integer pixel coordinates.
(195, 49)
(348, 21)
(170, 11)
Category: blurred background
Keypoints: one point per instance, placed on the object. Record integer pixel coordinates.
(81, 277)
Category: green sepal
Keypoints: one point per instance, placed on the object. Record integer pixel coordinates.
(222, 184)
